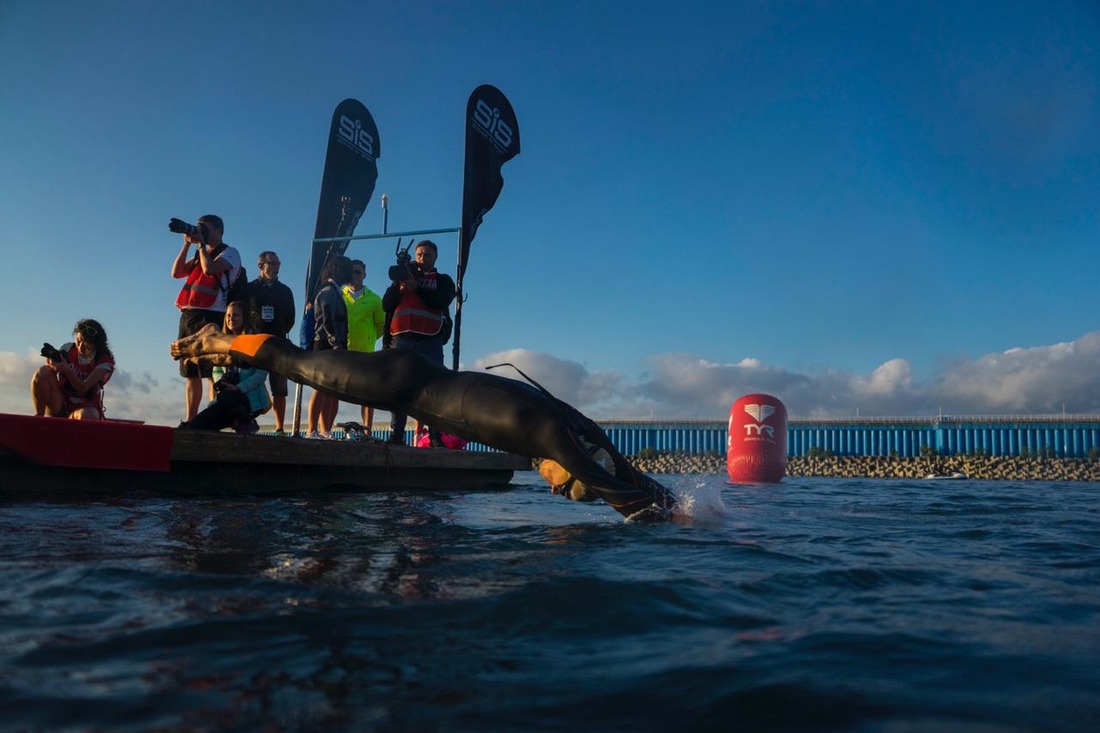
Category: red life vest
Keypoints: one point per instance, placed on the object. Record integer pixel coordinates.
(199, 291)
(413, 316)
(94, 397)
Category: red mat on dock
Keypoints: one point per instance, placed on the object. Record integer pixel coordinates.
(54, 441)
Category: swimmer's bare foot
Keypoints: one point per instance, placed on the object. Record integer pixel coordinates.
(207, 340)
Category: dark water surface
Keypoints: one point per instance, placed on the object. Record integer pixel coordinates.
(815, 605)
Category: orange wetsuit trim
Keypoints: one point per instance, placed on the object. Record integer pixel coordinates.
(248, 344)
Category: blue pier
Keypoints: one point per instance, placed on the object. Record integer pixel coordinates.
(1062, 436)
(1065, 436)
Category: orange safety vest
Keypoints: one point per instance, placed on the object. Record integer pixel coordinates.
(413, 316)
(200, 290)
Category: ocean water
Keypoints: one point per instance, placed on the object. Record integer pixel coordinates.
(813, 605)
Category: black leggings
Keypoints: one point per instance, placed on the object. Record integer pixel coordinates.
(227, 409)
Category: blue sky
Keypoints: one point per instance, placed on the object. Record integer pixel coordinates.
(883, 207)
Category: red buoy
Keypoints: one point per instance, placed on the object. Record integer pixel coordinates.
(756, 450)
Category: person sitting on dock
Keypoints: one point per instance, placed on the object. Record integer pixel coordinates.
(503, 413)
(70, 384)
(240, 394)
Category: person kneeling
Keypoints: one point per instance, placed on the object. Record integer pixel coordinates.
(71, 382)
(240, 392)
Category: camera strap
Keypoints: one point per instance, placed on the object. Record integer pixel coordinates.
(225, 284)
(213, 255)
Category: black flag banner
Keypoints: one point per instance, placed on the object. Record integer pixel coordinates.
(351, 170)
(492, 139)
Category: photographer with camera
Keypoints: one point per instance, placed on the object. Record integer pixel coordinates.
(202, 299)
(240, 392)
(416, 304)
(71, 382)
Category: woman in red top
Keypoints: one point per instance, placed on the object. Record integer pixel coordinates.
(73, 386)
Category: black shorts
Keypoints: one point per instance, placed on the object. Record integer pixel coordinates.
(278, 384)
(191, 321)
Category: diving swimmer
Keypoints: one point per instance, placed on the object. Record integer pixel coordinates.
(578, 459)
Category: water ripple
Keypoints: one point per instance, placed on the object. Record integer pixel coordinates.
(814, 605)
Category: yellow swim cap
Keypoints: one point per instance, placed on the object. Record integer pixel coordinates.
(563, 482)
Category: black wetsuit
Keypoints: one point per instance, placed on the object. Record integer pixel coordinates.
(503, 413)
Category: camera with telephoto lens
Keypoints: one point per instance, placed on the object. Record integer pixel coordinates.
(51, 353)
(198, 233)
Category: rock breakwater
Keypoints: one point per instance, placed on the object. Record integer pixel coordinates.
(999, 468)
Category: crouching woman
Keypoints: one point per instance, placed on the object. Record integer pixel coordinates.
(71, 382)
(240, 392)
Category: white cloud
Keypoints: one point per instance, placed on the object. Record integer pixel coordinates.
(566, 380)
(1032, 380)
(128, 396)
(15, 381)
(893, 377)
(683, 385)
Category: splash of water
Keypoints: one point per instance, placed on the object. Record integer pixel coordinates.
(700, 501)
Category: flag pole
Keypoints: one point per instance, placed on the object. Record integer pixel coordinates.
(460, 273)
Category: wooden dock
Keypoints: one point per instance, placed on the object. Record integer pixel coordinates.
(50, 457)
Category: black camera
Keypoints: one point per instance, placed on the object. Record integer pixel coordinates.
(51, 353)
(231, 376)
(401, 271)
(198, 233)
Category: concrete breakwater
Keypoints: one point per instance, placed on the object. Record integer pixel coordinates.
(1000, 468)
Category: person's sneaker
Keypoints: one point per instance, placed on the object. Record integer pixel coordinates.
(280, 433)
(246, 427)
(317, 436)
